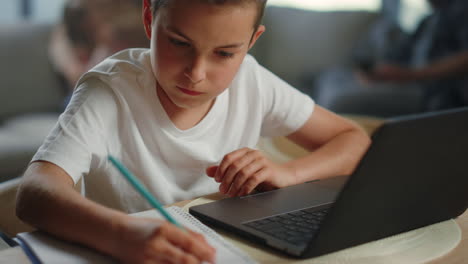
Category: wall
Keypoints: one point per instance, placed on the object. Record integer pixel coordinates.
(12, 11)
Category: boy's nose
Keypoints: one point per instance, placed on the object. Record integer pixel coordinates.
(196, 72)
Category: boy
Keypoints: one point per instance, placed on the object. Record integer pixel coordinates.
(168, 114)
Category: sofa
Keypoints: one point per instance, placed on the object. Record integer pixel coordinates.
(30, 95)
(297, 45)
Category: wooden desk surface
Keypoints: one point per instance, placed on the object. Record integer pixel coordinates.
(459, 255)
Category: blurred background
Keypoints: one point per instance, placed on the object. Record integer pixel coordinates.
(13, 11)
(45, 45)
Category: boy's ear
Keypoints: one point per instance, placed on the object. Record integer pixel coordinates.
(256, 35)
(147, 17)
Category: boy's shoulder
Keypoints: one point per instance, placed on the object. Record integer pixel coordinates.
(128, 62)
(249, 60)
(248, 66)
(127, 68)
(135, 59)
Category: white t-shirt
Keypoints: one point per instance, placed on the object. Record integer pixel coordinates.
(115, 110)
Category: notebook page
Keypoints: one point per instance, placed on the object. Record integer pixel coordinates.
(50, 250)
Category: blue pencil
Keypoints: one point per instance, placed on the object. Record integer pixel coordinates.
(142, 190)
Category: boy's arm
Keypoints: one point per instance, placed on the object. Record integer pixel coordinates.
(336, 145)
(47, 200)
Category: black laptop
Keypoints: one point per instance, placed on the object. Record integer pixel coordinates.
(413, 175)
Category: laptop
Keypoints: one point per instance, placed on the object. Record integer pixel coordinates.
(414, 174)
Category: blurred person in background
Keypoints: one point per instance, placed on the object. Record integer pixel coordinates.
(432, 59)
(435, 56)
(90, 31)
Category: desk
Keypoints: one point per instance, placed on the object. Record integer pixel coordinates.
(457, 256)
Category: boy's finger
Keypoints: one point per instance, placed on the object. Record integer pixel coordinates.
(211, 171)
(242, 177)
(165, 252)
(253, 182)
(239, 168)
(203, 239)
(193, 245)
(227, 161)
(233, 171)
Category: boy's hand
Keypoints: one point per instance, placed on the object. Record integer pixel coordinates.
(243, 170)
(155, 241)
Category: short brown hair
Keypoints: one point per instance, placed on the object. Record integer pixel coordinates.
(156, 4)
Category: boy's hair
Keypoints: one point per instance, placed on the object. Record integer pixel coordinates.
(260, 4)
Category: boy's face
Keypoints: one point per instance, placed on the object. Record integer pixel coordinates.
(197, 48)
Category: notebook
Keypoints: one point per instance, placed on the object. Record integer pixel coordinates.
(413, 175)
(43, 248)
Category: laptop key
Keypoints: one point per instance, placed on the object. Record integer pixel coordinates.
(275, 218)
(295, 227)
(297, 213)
(291, 228)
(287, 222)
(312, 221)
(303, 224)
(294, 233)
(309, 216)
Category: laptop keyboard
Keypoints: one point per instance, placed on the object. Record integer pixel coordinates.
(297, 227)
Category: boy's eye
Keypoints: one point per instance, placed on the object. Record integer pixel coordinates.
(179, 43)
(225, 54)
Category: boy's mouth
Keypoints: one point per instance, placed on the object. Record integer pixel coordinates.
(189, 92)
